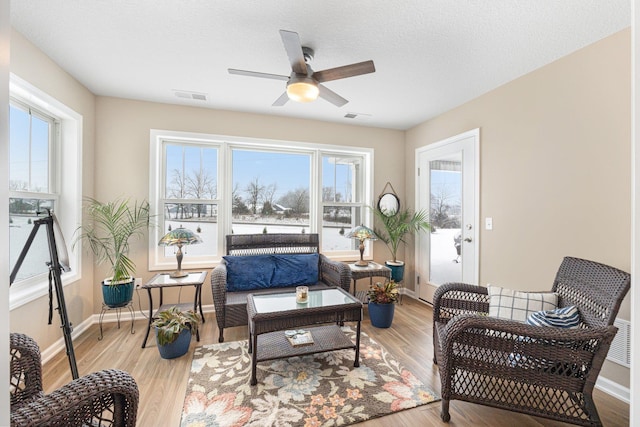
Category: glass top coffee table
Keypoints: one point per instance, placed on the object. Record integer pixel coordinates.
(270, 315)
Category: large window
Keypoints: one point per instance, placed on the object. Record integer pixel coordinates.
(44, 175)
(32, 139)
(218, 185)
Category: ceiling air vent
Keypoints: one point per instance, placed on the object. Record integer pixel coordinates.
(357, 116)
(197, 96)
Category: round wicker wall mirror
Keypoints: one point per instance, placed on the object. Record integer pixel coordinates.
(388, 204)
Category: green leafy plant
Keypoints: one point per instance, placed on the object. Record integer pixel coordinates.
(172, 321)
(109, 230)
(386, 293)
(395, 229)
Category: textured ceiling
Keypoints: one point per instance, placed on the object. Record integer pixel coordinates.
(430, 55)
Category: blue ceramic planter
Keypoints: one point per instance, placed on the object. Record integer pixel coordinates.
(381, 315)
(397, 270)
(177, 348)
(117, 295)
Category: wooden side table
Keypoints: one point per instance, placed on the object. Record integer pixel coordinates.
(161, 281)
(373, 269)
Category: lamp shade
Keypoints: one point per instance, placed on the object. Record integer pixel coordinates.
(178, 237)
(362, 233)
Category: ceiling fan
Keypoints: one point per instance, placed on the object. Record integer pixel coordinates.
(304, 84)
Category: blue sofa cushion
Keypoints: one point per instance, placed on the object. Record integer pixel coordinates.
(295, 269)
(249, 272)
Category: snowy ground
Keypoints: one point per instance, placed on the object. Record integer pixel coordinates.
(443, 253)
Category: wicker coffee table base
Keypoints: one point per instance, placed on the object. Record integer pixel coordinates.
(274, 345)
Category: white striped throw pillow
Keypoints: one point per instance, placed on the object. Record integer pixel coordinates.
(565, 317)
(514, 305)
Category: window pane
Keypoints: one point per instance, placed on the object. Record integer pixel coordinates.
(19, 149)
(199, 218)
(270, 192)
(191, 172)
(336, 223)
(340, 179)
(40, 132)
(22, 214)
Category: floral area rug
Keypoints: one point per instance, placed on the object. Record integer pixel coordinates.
(321, 389)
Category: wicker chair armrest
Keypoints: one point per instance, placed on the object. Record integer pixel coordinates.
(110, 396)
(453, 299)
(219, 286)
(26, 369)
(335, 273)
(515, 344)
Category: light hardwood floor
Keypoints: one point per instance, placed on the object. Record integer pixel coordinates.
(162, 383)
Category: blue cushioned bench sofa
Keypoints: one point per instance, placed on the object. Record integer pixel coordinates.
(261, 263)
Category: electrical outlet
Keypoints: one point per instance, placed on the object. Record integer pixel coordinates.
(138, 282)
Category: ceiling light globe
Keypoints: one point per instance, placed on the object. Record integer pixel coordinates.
(303, 91)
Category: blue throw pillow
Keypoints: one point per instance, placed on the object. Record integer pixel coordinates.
(245, 273)
(295, 269)
(565, 317)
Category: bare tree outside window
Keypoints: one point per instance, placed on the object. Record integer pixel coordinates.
(254, 192)
(445, 207)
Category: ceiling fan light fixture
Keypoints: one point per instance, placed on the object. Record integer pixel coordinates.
(302, 89)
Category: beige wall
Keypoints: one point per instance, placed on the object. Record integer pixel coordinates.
(30, 64)
(123, 137)
(555, 169)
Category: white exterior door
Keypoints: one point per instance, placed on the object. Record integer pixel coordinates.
(447, 187)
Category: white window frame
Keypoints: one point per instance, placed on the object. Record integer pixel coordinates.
(226, 144)
(65, 184)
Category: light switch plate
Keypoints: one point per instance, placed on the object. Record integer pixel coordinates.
(488, 223)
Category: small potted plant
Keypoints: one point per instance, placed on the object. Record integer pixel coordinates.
(109, 229)
(173, 329)
(382, 299)
(395, 230)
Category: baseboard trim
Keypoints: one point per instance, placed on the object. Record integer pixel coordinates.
(603, 384)
(109, 317)
(614, 389)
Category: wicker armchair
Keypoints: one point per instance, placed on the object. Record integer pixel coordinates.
(543, 371)
(231, 307)
(104, 398)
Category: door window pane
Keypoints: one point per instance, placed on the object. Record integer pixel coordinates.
(445, 214)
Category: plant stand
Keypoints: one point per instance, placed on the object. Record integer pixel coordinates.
(118, 310)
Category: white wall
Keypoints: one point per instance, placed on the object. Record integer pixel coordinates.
(5, 33)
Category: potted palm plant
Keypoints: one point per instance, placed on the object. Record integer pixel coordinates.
(395, 230)
(108, 233)
(173, 328)
(382, 299)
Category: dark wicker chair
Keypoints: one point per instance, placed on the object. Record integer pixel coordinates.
(231, 307)
(543, 371)
(104, 398)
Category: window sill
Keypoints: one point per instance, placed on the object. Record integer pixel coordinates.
(22, 294)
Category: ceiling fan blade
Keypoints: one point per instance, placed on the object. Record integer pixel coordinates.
(258, 74)
(345, 71)
(293, 47)
(281, 101)
(331, 96)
